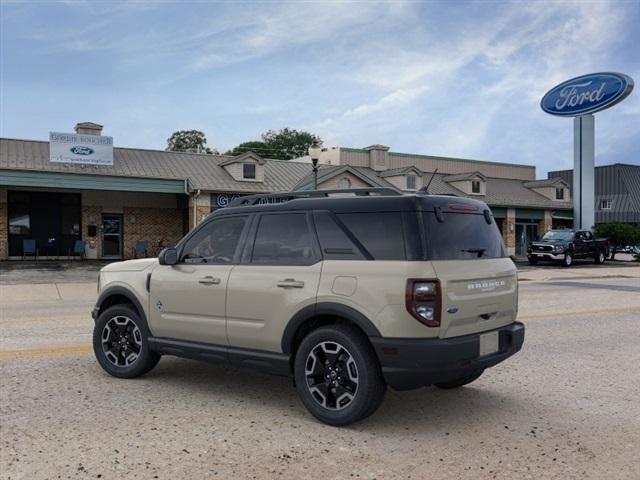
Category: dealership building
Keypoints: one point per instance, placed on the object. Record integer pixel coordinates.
(78, 189)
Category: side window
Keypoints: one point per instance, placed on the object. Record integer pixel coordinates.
(215, 243)
(380, 233)
(283, 239)
(334, 242)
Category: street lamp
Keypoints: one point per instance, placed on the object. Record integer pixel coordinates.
(314, 152)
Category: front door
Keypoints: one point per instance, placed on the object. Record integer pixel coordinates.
(279, 276)
(187, 301)
(525, 233)
(111, 235)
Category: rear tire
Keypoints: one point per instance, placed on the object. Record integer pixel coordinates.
(567, 261)
(338, 376)
(459, 382)
(120, 343)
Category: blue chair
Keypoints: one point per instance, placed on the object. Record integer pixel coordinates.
(79, 247)
(29, 248)
(142, 247)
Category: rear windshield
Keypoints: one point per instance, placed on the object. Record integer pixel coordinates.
(462, 236)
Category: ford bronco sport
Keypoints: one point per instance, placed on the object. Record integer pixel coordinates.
(348, 292)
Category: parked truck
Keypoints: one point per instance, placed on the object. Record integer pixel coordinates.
(564, 246)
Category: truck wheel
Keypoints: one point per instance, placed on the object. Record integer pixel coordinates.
(120, 343)
(459, 382)
(532, 260)
(600, 257)
(567, 260)
(338, 376)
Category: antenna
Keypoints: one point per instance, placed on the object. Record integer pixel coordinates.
(425, 189)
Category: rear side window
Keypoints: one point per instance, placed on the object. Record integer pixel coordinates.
(462, 236)
(283, 239)
(334, 241)
(380, 233)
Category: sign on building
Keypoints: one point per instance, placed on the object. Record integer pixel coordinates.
(80, 149)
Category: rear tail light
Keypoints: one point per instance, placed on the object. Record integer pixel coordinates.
(423, 301)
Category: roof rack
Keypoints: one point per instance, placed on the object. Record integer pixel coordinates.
(282, 197)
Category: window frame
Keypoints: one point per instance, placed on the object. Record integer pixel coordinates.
(414, 178)
(207, 223)
(479, 184)
(244, 172)
(560, 191)
(609, 204)
(251, 235)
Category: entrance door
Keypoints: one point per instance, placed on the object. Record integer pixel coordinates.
(525, 233)
(111, 235)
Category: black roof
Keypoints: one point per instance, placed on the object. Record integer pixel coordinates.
(344, 203)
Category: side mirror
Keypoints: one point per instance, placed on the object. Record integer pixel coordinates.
(168, 256)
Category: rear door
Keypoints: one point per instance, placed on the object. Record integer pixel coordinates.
(278, 276)
(478, 281)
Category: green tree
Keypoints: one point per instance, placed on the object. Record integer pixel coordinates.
(283, 144)
(188, 141)
(619, 234)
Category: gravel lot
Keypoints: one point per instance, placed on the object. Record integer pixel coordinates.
(565, 407)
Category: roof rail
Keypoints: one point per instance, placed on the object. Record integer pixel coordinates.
(282, 197)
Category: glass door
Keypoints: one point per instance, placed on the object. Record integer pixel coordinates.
(525, 233)
(111, 235)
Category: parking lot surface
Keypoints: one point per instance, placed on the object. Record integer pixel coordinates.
(565, 407)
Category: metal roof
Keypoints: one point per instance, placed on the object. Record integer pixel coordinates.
(203, 171)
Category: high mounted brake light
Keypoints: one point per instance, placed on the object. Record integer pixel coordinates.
(461, 207)
(422, 299)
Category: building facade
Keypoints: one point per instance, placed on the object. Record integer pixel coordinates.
(151, 198)
(617, 192)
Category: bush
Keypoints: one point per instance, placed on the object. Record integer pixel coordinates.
(619, 234)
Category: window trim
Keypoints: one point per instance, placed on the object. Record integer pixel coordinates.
(609, 204)
(236, 256)
(479, 183)
(247, 251)
(255, 171)
(560, 190)
(414, 177)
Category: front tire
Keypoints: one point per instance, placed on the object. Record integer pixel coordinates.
(120, 343)
(567, 261)
(338, 376)
(533, 260)
(600, 257)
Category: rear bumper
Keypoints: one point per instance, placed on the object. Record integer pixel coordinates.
(414, 363)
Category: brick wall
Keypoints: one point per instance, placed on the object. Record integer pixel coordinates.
(546, 223)
(4, 227)
(151, 224)
(509, 231)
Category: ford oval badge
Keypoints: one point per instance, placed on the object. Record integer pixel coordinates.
(587, 94)
(452, 310)
(79, 150)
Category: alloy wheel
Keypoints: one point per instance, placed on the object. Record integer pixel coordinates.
(332, 375)
(121, 341)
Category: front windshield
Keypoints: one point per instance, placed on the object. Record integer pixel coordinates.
(558, 235)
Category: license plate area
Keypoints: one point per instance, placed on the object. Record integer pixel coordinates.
(489, 343)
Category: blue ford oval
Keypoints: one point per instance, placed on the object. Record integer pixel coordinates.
(79, 150)
(587, 94)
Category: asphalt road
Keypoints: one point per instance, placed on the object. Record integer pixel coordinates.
(567, 406)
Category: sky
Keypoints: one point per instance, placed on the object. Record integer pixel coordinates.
(450, 78)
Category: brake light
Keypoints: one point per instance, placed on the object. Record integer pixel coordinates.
(462, 207)
(422, 298)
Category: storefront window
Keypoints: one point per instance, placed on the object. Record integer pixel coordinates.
(19, 217)
(70, 214)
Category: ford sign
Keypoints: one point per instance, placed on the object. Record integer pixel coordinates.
(79, 150)
(587, 94)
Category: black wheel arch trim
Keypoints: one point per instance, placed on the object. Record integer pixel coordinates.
(325, 308)
(118, 290)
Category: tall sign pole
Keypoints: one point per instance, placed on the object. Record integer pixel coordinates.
(580, 97)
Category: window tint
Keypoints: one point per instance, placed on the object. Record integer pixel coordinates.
(248, 170)
(216, 242)
(462, 236)
(283, 240)
(334, 242)
(380, 233)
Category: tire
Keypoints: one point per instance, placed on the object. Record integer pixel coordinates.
(567, 261)
(600, 257)
(329, 395)
(459, 382)
(532, 260)
(120, 343)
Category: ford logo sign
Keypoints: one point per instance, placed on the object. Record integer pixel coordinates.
(587, 94)
(452, 310)
(79, 150)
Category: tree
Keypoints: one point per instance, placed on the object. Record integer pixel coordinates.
(283, 144)
(188, 141)
(619, 234)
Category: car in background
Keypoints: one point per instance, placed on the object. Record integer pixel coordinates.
(564, 246)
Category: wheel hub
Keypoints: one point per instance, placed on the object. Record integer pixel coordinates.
(121, 341)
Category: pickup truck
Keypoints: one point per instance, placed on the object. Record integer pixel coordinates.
(566, 245)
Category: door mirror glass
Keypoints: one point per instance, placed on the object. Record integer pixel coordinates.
(168, 256)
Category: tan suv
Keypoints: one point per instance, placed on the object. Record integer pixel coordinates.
(346, 293)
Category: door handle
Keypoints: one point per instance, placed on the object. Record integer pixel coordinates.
(209, 280)
(290, 283)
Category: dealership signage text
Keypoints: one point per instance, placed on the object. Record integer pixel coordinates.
(80, 149)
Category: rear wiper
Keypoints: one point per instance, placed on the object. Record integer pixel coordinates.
(479, 251)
